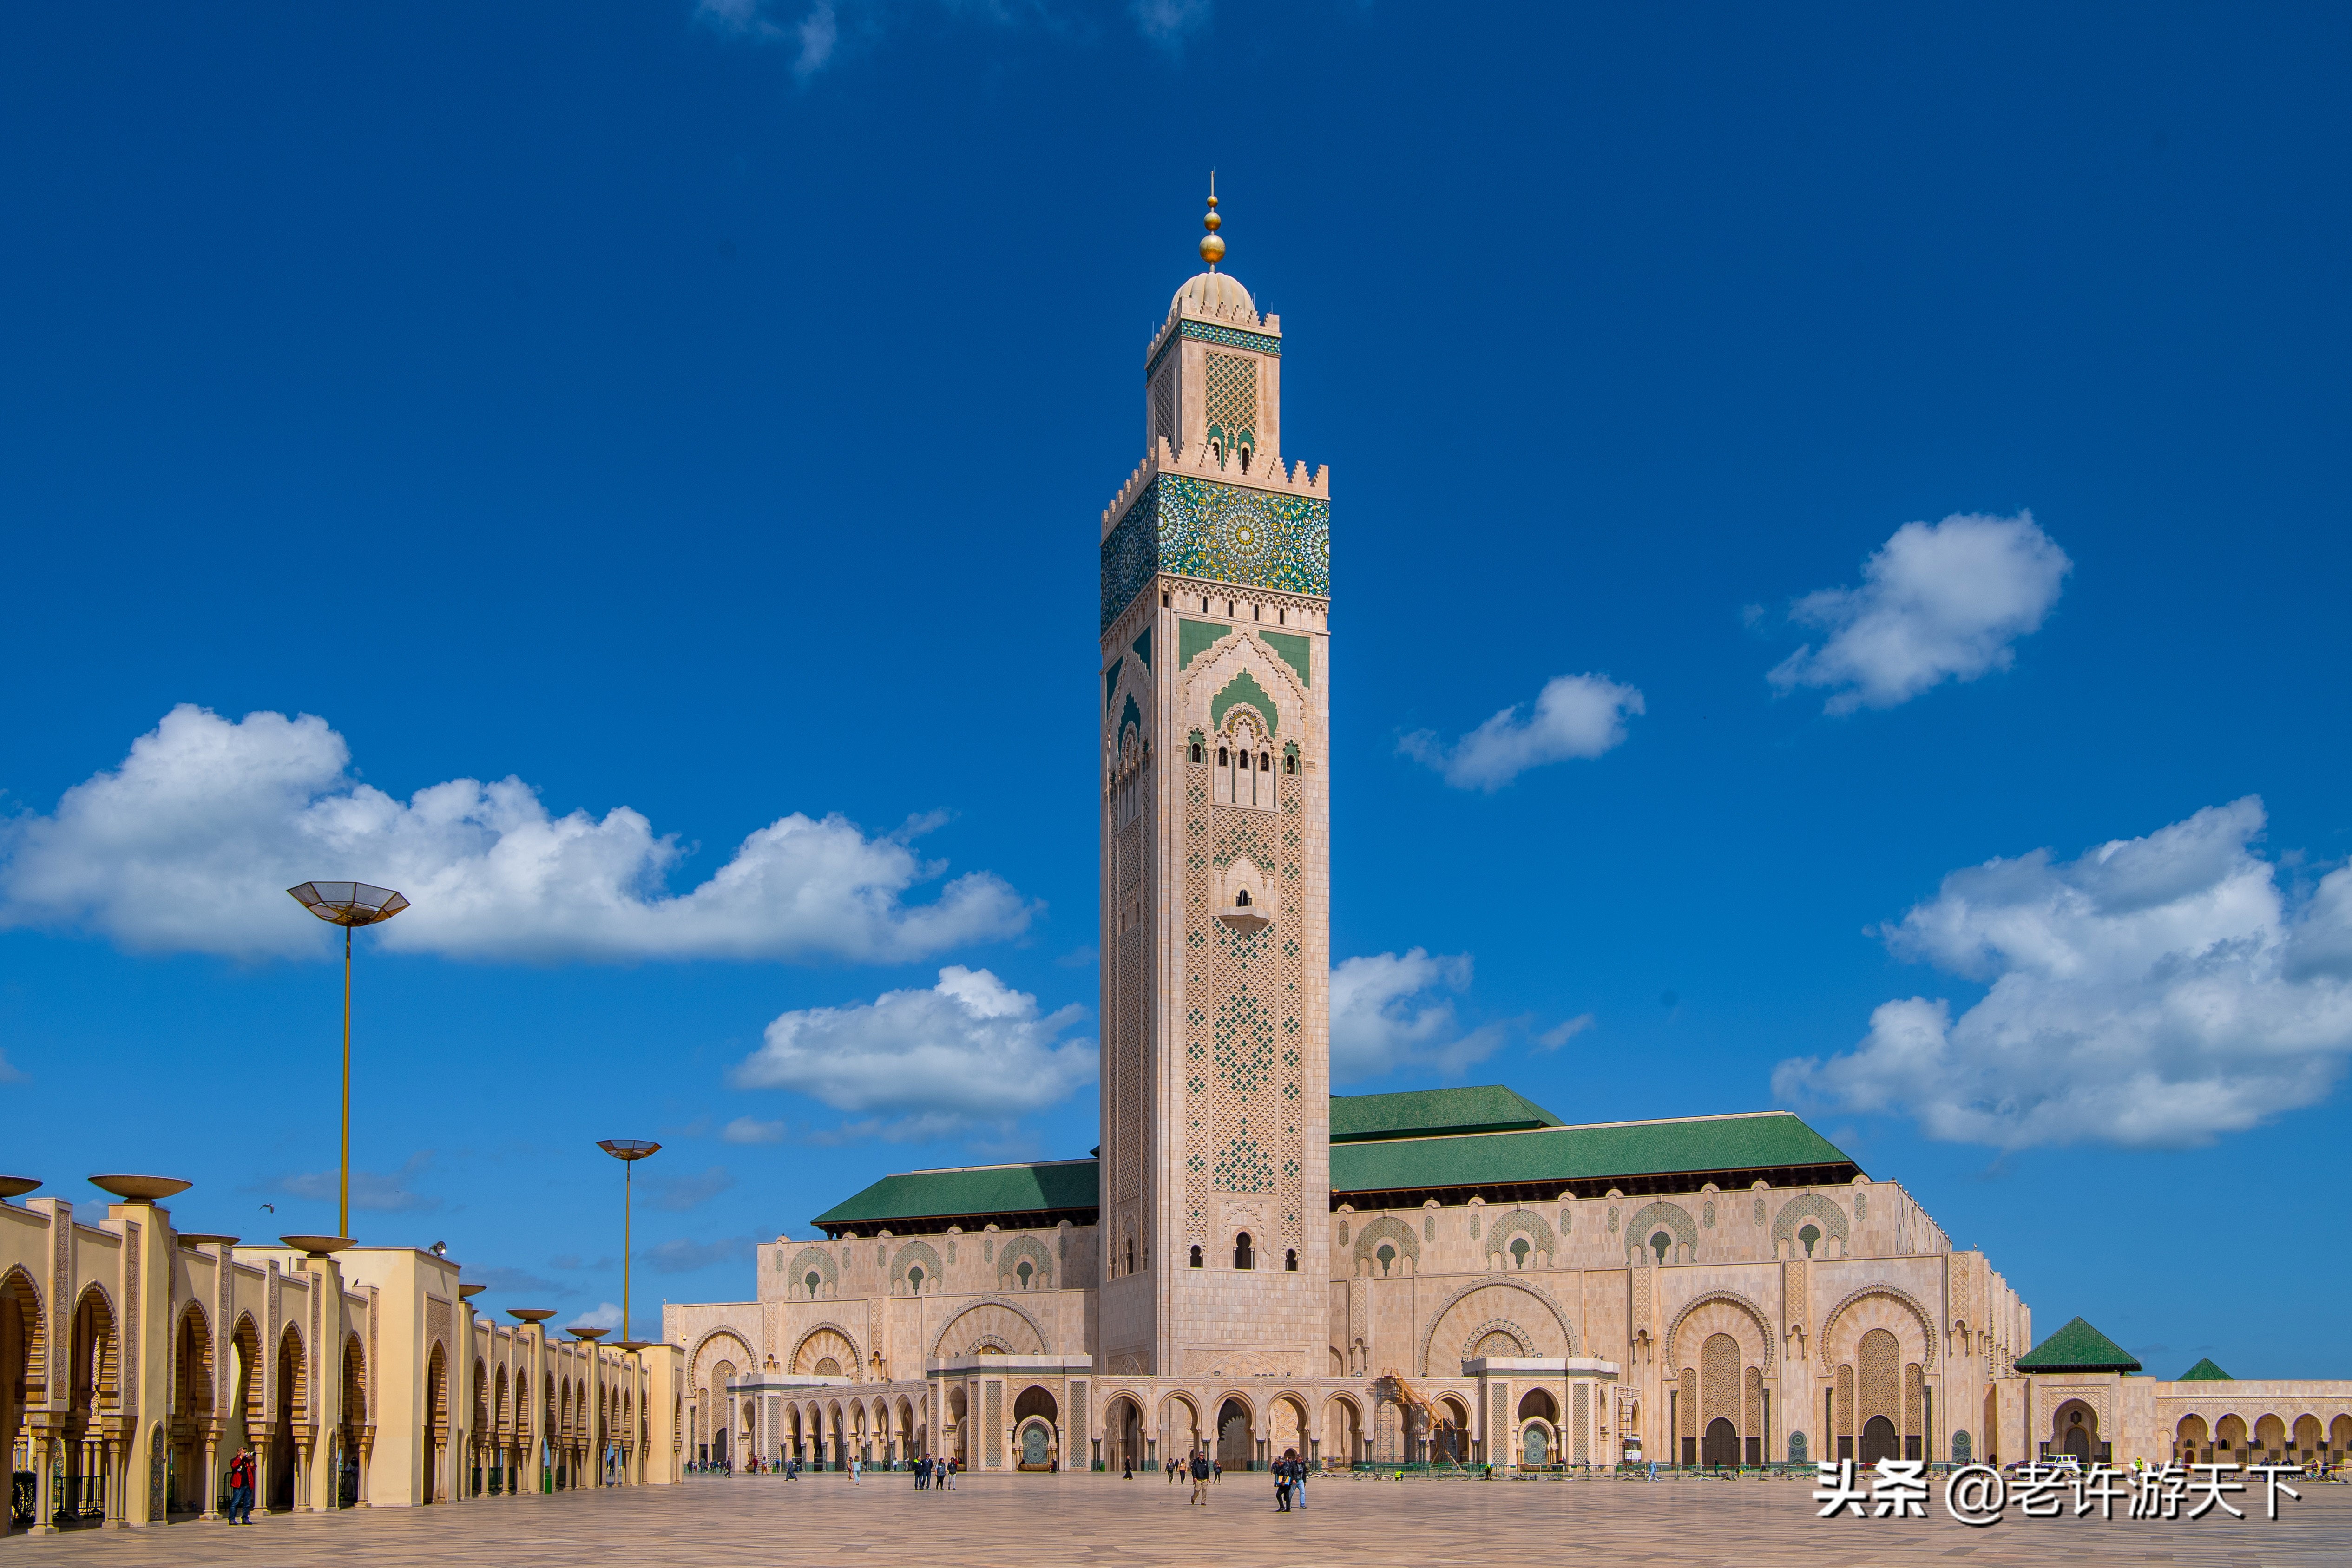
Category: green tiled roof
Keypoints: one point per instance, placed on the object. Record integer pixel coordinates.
(2205, 1371)
(976, 1192)
(1395, 1152)
(2078, 1347)
(1559, 1156)
(1481, 1108)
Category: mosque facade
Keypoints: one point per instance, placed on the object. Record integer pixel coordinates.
(1249, 1264)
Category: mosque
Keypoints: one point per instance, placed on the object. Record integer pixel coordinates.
(1250, 1264)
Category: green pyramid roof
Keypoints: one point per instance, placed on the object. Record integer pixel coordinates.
(2205, 1371)
(2078, 1347)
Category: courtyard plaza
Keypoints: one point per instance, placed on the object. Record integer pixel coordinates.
(1020, 1520)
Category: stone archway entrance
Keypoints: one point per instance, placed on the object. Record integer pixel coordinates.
(2075, 1430)
(1233, 1436)
(1878, 1441)
(1720, 1446)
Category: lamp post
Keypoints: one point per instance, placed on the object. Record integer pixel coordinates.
(629, 1151)
(347, 904)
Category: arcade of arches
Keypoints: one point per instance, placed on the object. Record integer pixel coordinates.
(136, 1360)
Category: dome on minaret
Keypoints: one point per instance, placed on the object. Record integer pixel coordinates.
(1213, 293)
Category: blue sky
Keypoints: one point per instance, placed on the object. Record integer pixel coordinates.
(1841, 553)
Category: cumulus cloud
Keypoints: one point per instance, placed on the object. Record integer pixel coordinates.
(1939, 601)
(968, 1050)
(2157, 991)
(607, 1316)
(752, 1130)
(1574, 715)
(1391, 1010)
(190, 844)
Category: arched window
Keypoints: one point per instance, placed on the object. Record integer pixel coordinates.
(1289, 762)
(1662, 1244)
(1809, 1235)
(1223, 760)
(1024, 1270)
(813, 1282)
(1242, 899)
(1242, 1257)
(1196, 1256)
(1265, 763)
(1518, 1251)
(1196, 751)
(1130, 1254)
(915, 1281)
(1290, 1260)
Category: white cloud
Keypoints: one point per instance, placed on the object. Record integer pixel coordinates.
(190, 845)
(1575, 715)
(968, 1050)
(1168, 23)
(750, 1130)
(1390, 1011)
(1554, 1037)
(2157, 991)
(607, 1316)
(819, 32)
(1939, 601)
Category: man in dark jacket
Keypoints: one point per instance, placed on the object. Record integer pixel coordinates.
(1200, 1478)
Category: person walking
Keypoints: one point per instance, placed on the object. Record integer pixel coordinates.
(1216, 1471)
(1298, 1469)
(853, 1465)
(240, 1487)
(1170, 1467)
(1281, 1468)
(1201, 1472)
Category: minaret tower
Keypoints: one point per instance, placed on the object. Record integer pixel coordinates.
(1216, 864)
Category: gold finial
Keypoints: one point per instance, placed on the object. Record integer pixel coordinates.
(1213, 249)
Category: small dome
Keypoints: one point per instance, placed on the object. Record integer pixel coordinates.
(1211, 293)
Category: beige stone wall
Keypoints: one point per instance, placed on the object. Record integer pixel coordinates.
(144, 1356)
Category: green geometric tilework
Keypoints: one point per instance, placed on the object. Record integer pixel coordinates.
(1292, 649)
(1206, 332)
(1143, 647)
(1242, 688)
(1110, 680)
(1225, 533)
(1194, 638)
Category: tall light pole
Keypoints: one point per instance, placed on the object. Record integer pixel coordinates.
(629, 1151)
(347, 904)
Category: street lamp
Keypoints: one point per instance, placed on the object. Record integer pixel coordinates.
(629, 1151)
(347, 904)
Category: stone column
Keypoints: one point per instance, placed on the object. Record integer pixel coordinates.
(209, 1479)
(45, 1500)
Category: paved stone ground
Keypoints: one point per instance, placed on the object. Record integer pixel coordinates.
(1021, 1521)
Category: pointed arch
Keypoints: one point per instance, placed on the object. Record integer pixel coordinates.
(1732, 1298)
(1518, 1283)
(1893, 1293)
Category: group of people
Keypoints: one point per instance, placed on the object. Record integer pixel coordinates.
(1289, 1478)
(935, 1475)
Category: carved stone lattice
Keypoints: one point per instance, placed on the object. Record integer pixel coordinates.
(1581, 1403)
(996, 1424)
(1718, 1367)
(1879, 1379)
(1126, 1047)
